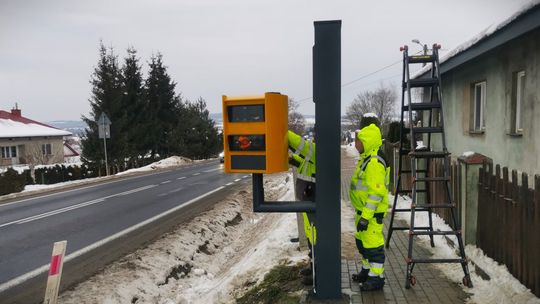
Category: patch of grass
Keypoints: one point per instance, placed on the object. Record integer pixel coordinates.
(281, 285)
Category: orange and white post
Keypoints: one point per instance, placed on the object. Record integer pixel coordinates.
(55, 272)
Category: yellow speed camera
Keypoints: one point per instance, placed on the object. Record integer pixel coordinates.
(255, 133)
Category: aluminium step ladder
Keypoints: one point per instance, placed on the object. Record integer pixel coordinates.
(421, 159)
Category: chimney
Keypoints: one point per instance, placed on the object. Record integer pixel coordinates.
(16, 111)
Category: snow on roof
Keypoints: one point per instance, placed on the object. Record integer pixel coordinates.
(490, 30)
(12, 128)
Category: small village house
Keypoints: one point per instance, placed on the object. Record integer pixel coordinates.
(26, 141)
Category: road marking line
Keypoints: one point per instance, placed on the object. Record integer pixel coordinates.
(237, 180)
(73, 207)
(245, 176)
(195, 174)
(121, 179)
(181, 177)
(25, 277)
(228, 184)
(165, 182)
(212, 170)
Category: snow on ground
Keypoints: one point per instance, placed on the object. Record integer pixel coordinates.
(172, 161)
(210, 259)
(501, 288)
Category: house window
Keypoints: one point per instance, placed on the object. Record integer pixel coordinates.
(479, 104)
(46, 149)
(9, 152)
(519, 86)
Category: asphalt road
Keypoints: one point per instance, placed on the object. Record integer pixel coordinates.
(90, 215)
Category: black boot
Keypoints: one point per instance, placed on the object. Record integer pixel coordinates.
(372, 283)
(361, 277)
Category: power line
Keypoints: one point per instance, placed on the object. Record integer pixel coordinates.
(367, 75)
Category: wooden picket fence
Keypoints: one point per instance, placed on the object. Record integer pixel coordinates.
(509, 222)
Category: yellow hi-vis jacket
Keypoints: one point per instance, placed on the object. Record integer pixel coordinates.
(304, 155)
(369, 183)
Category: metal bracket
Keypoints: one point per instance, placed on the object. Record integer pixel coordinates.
(260, 205)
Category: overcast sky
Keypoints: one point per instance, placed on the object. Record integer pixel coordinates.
(48, 49)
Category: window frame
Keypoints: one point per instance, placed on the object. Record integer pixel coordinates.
(517, 126)
(46, 149)
(7, 152)
(479, 124)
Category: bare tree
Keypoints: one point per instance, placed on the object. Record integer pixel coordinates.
(297, 122)
(381, 101)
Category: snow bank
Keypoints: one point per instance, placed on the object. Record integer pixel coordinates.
(501, 288)
(351, 151)
(172, 161)
(209, 260)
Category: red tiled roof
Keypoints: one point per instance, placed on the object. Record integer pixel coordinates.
(8, 115)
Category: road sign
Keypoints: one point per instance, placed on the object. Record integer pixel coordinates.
(104, 126)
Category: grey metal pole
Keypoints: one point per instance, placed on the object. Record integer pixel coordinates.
(327, 98)
(105, 147)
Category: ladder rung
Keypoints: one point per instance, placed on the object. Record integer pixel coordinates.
(422, 106)
(409, 171)
(410, 191)
(421, 83)
(429, 154)
(408, 228)
(435, 206)
(438, 261)
(420, 130)
(408, 210)
(435, 232)
(421, 59)
(433, 179)
(407, 151)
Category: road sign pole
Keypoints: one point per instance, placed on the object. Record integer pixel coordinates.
(105, 148)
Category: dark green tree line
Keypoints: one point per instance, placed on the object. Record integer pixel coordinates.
(149, 119)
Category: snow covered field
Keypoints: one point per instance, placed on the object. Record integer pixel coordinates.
(210, 259)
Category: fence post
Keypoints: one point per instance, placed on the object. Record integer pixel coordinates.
(468, 188)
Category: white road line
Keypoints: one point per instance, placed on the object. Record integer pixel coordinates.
(25, 277)
(195, 174)
(245, 176)
(237, 180)
(212, 170)
(165, 182)
(181, 177)
(73, 207)
(228, 184)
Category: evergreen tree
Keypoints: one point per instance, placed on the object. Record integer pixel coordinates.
(133, 106)
(105, 98)
(163, 108)
(200, 137)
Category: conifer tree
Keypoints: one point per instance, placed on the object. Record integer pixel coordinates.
(133, 106)
(105, 98)
(163, 108)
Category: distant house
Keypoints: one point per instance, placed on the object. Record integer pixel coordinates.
(26, 141)
(491, 92)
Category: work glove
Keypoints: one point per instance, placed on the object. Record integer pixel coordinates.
(362, 224)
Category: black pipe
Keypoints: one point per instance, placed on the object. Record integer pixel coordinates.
(260, 205)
